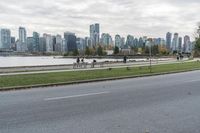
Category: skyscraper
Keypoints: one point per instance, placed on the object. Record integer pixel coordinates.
(106, 39)
(30, 44)
(180, 42)
(5, 39)
(22, 40)
(169, 41)
(88, 42)
(80, 42)
(36, 38)
(42, 44)
(95, 34)
(48, 43)
(70, 42)
(118, 41)
(58, 45)
(187, 44)
(175, 42)
(130, 41)
(13, 43)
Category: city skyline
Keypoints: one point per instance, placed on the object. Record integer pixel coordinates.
(138, 18)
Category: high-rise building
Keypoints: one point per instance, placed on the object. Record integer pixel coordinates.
(5, 39)
(95, 34)
(169, 41)
(58, 44)
(42, 45)
(22, 40)
(30, 44)
(48, 42)
(80, 42)
(70, 42)
(13, 43)
(130, 41)
(106, 39)
(175, 42)
(187, 46)
(180, 42)
(36, 41)
(122, 42)
(136, 42)
(141, 42)
(118, 41)
(88, 42)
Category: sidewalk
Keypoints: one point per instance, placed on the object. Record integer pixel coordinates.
(106, 66)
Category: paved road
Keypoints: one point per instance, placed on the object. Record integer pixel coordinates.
(160, 104)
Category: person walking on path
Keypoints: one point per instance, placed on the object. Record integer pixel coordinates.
(78, 61)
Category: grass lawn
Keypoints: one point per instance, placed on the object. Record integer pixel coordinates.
(47, 78)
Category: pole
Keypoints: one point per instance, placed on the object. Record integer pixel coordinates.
(150, 63)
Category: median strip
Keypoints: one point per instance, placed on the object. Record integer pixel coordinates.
(13, 82)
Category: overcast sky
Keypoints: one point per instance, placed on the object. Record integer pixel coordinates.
(137, 17)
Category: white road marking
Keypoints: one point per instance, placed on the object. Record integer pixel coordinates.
(189, 81)
(75, 96)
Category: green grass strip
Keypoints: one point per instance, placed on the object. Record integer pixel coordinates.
(58, 77)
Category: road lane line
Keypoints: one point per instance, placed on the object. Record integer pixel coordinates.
(75, 96)
(189, 81)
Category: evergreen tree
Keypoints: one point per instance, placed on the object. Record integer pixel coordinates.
(87, 51)
(116, 50)
(100, 51)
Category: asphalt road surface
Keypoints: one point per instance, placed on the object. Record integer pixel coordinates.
(159, 104)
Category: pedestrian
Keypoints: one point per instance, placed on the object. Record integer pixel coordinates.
(78, 61)
(125, 59)
(82, 60)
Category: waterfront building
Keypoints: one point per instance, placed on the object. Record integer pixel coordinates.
(180, 43)
(5, 39)
(48, 43)
(36, 39)
(118, 41)
(22, 40)
(70, 42)
(80, 42)
(169, 41)
(58, 44)
(95, 34)
(187, 44)
(88, 42)
(175, 42)
(30, 44)
(106, 39)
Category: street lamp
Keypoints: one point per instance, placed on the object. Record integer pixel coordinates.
(150, 54)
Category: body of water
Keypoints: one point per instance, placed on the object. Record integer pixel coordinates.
(12, 61)
(17, 61)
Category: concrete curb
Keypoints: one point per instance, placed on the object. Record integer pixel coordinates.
(90, 81)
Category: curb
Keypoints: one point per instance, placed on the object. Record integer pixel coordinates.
(90, 81)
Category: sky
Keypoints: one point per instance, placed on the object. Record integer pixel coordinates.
(152, 18)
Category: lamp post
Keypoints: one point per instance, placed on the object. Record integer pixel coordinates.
(150, 55)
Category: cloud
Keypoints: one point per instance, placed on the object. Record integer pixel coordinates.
(137, 17)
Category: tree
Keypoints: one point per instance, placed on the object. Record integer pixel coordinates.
(134, 49)
(197, 43)
(100, 51)
(155, 50)
(75, 52)
(87, 51)
(197, 47)
(116, 50)
(146, 50)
